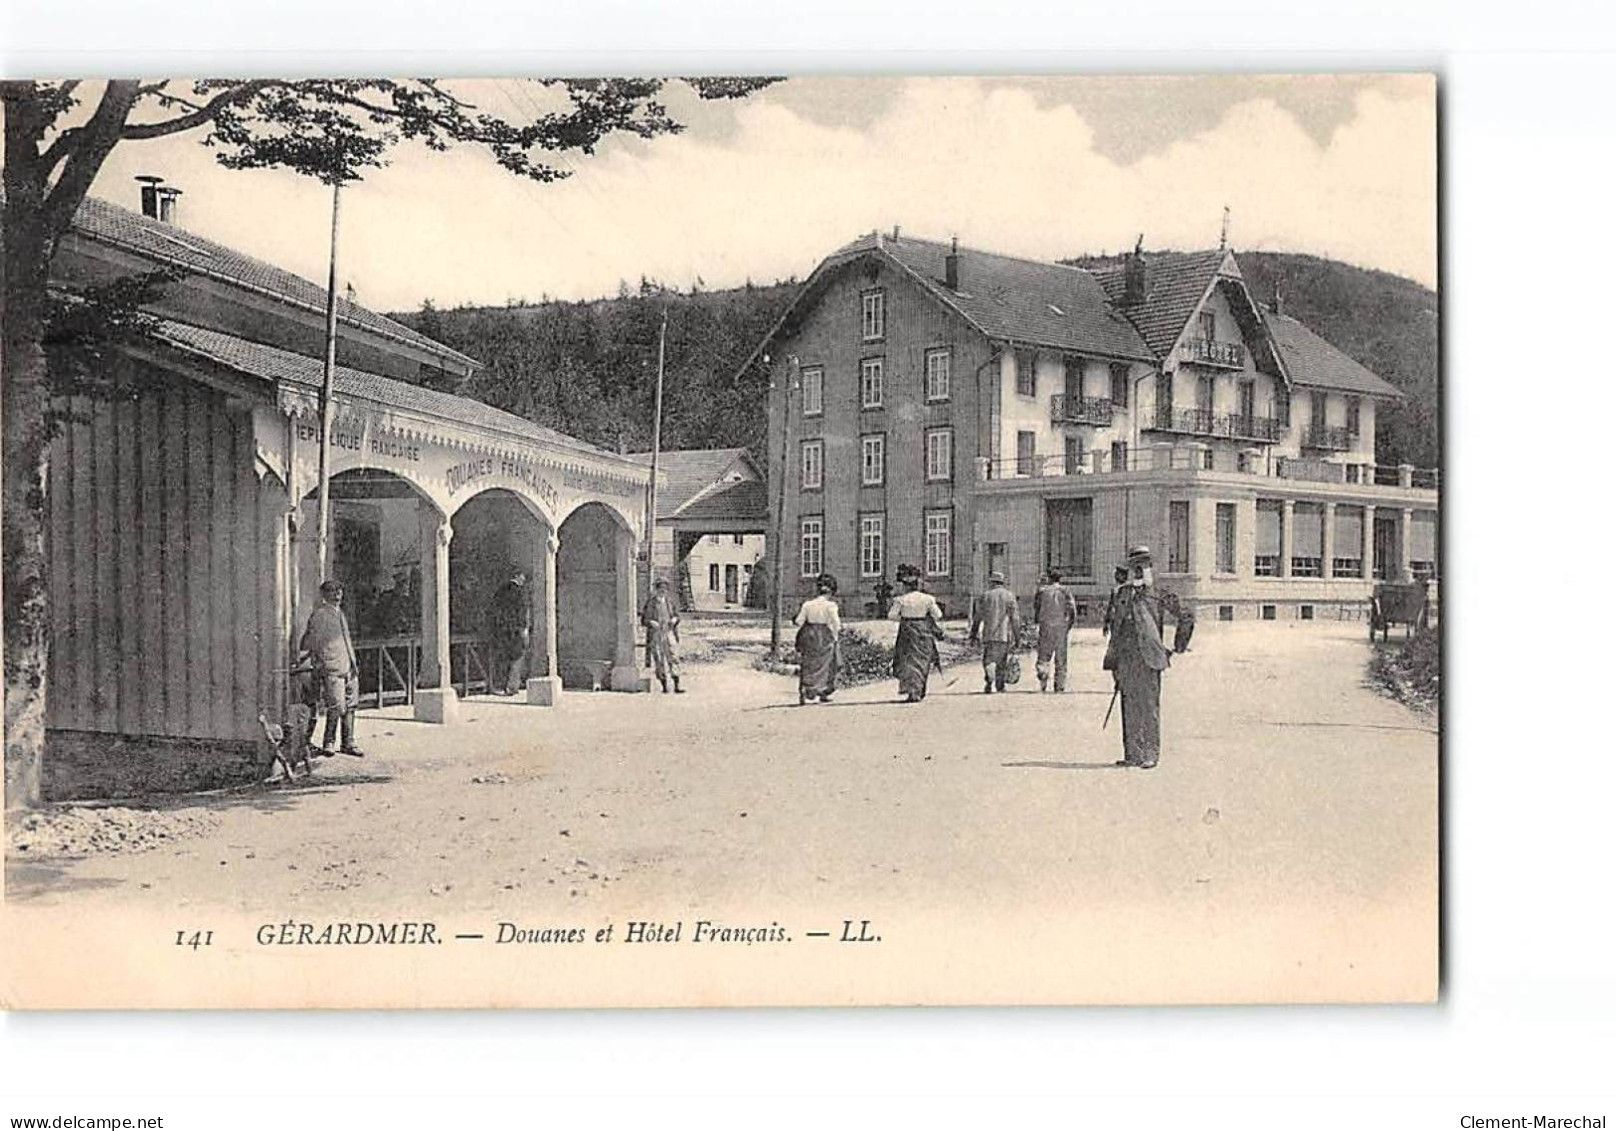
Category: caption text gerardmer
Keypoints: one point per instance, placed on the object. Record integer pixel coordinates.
(700, 931)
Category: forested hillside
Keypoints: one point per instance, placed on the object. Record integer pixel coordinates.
(589, 368)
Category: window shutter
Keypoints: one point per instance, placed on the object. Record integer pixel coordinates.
(1348, 532)
(1422, 537)
(1268, 520)
(1308, 541)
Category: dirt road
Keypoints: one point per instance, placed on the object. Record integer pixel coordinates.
(1284, 783)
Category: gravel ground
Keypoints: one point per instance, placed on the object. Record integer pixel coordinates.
(83, 831)
(1289, 836)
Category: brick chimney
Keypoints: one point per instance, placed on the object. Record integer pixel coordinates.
(168, 204)
(148, 194)
(1135, 276)
(951, 266)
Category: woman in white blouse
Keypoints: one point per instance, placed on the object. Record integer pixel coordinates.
(920, 624)
(819, 629)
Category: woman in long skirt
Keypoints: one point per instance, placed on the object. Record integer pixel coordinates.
(819, 629)
(920, 623)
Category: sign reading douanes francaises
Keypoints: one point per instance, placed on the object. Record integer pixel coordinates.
(378, 444)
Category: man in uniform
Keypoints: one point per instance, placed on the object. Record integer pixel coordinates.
(996, 618)
(1055, 612)
(660, 616)
(336, 667)
(1136, 657)
(510, 618)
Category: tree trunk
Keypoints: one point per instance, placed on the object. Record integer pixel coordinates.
(25, 402)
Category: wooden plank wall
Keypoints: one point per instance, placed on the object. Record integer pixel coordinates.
(165, 549)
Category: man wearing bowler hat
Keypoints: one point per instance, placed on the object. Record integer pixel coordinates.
(1136, 657)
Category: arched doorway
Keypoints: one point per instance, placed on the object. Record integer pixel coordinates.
(497, 537)
(380, 548)
(595, 611)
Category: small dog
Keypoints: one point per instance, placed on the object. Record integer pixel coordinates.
(288, 744)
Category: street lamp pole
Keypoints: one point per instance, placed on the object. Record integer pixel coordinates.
(328, 392)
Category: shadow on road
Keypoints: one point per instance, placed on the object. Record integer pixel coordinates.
(1063, 766)
(266, 795)
(30, 879)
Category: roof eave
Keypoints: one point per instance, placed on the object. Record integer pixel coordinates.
(424, 345)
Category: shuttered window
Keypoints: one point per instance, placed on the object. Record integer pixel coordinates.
(1026, 453)
(1070, 539)
(1225, 537)
(1270, 517)
(1178, 537)
(1027, 373)
(1307, 541)
(1074, 455)
(1347, 558)
(1119, 384)
(1422, 545)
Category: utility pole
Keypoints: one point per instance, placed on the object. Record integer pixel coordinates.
(656, 452)
(327, 391)
(777, 546)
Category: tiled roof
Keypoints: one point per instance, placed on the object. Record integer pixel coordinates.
(1023, 300)
(747, 500)
(1176, 281)
(107, 223)
(686, 474)
(271, 364)
(1310, 360)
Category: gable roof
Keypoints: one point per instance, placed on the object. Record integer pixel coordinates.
(692, 473)
(1310, 360)
(272, 364)
(1004, 297)
(747, 500)
(105, 222)
(1177, 281)
(1021, 300)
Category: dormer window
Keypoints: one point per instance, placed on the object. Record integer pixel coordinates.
(875, 315)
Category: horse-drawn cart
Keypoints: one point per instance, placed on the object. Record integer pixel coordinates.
(1408, 605)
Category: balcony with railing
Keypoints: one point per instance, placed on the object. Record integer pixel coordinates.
(1200, 422)
(1065, 408)
(1330, 439)
(1206, 351)
(1195, 461)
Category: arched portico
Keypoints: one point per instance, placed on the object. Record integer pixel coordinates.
(388, 546)
(595, 600)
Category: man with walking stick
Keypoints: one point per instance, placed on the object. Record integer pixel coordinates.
(1136, 657)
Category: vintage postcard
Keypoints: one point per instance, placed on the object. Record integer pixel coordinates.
(721, 541)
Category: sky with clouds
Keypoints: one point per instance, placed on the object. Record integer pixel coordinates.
(1338, 166)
